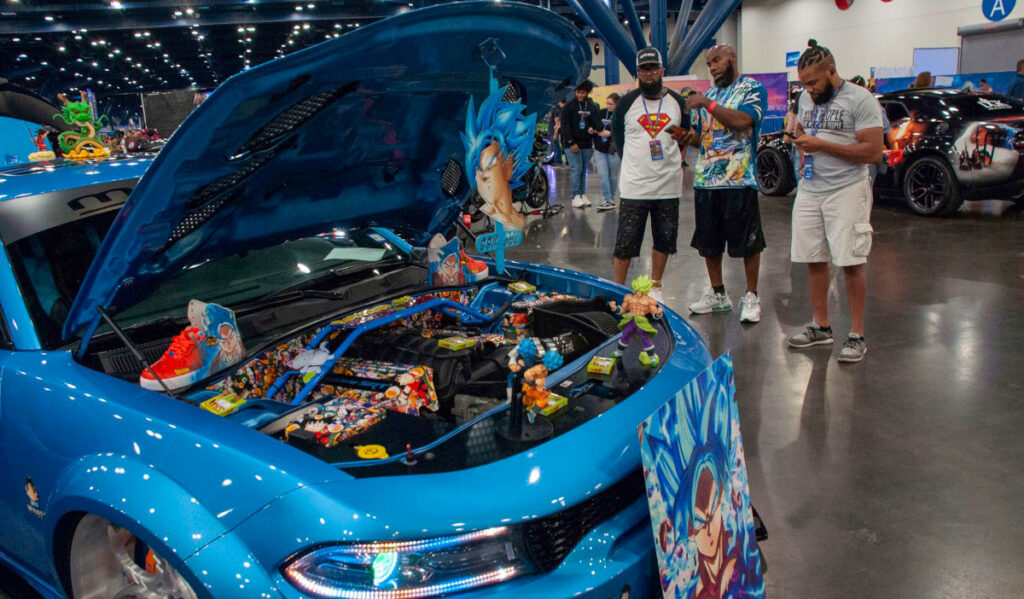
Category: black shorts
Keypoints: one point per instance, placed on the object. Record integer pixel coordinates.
(727, 216)
(633, 223)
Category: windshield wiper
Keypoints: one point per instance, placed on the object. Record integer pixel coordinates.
(291, 293)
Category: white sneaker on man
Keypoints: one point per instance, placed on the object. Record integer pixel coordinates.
(656, 294)
(711, 302)
(750, 308)
(579, 202)
(585, 200)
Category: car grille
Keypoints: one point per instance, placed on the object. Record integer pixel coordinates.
(549, 540)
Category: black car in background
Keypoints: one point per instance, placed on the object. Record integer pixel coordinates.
(944, 147)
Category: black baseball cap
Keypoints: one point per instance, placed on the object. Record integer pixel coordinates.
(648, 56)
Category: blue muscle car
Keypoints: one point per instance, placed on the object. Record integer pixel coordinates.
(302, 195)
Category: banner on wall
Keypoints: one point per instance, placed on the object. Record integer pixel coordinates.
(999, 82)
(792, 59)
(777, 85)
(682, 85)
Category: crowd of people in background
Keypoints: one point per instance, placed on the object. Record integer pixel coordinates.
(837, 126)
(131, 141)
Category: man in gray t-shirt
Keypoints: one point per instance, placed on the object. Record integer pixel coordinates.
(839, 133)
(851, 109)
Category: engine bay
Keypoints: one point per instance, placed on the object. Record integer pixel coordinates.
(421, 383)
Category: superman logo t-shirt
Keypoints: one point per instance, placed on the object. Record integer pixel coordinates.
(641, 177)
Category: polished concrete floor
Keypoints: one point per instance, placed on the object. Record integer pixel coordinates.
(903, 475)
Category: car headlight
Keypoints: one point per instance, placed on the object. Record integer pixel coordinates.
(410, 569)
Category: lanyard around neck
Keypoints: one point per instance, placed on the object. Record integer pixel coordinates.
(649, 119)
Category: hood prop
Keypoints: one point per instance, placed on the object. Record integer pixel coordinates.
(135, 350)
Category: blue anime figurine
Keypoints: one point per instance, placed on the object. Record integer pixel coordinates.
(521, 358)
(498, 141)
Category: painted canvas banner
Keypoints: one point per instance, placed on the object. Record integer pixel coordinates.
(697, 491)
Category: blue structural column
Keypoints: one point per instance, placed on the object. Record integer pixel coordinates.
(704, 28)
(634, 23)
(607, 25)
(675, 44)
(611, 61)
(659, 26)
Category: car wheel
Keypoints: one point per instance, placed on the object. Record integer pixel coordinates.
(109, 561)
(775, 175)
(931, 188)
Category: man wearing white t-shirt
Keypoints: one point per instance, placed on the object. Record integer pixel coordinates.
(839, 135)
(647, 126)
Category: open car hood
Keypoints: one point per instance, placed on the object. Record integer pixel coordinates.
(351, 132)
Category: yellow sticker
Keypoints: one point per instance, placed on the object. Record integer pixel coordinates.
(371, 452)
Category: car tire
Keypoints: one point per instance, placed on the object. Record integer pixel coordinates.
(775, 176)
(931, 188)
(105, 562)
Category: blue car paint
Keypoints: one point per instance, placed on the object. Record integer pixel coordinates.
(172, 437)
(46, 177)
(227, 505)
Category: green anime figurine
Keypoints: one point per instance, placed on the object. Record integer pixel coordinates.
(83, 143)
(635, 309)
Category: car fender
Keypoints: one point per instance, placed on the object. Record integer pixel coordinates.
(140, 498)
(926, 148)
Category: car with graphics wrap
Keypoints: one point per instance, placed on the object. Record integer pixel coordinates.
(358, 442)
(944, 147)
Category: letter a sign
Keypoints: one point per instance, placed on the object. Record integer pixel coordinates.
(997, 10)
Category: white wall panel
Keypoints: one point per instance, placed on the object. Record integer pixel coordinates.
(871, 33)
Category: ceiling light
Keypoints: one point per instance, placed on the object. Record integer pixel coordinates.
(116, 4)
(189, 11)
(61, 48)
(48, 19)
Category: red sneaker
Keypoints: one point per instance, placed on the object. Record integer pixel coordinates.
(186, 361)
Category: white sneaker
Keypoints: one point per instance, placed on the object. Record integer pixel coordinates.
(711, 302)
(656, 294)
(750, 308)
(585, 200)
(579, 202)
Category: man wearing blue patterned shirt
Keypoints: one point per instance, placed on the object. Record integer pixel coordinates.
(728, 124)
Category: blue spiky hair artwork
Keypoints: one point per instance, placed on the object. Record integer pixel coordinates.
(504, 122)
(698, 436)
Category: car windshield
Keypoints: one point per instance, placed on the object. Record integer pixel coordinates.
(50, 265)
(984, 107)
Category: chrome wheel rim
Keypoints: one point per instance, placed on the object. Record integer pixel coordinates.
(103, 565)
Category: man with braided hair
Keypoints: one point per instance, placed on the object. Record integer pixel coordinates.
(839, 133)
(635, 309)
